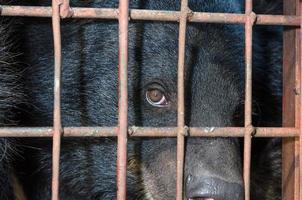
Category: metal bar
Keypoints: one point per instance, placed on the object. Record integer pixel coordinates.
(298, 105)
(248, 97)
(180, 99)
(57, 127)
(291, 104)
(154, 15)
(299, 60)
(148, 132)
(122, 100)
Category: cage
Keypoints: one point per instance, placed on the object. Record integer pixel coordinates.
(291, 130)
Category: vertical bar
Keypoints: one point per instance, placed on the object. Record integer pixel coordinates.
(122, 100)
(299, 60)
(248, 96)
(180, 99)
(291, 104)
(57, 101)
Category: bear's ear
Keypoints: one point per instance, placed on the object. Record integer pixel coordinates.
(268, 6)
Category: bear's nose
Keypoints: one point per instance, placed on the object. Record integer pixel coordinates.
(206, 188)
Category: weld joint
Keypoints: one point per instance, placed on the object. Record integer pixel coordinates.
(252, 18)
(65, 9)
(250, 130)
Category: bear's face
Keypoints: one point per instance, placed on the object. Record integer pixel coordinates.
(214, 87)
(214, 98)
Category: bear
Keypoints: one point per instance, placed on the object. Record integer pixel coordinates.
(11, 97)
(214, 85)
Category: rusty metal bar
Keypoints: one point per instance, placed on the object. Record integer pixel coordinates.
(154, 15)
(122, 100)
(291, 104)
(57, 127)
(288, 107)
(299, 60)
(149, 132)
(248, 97)
(180, 99)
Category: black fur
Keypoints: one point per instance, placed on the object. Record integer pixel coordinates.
(11, 95)
(215, 95)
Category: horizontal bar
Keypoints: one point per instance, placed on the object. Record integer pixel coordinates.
(148, 132)
(154, 15)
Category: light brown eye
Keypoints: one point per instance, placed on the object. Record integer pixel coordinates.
(156, 98)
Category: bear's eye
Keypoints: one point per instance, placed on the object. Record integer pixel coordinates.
(156, 97)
